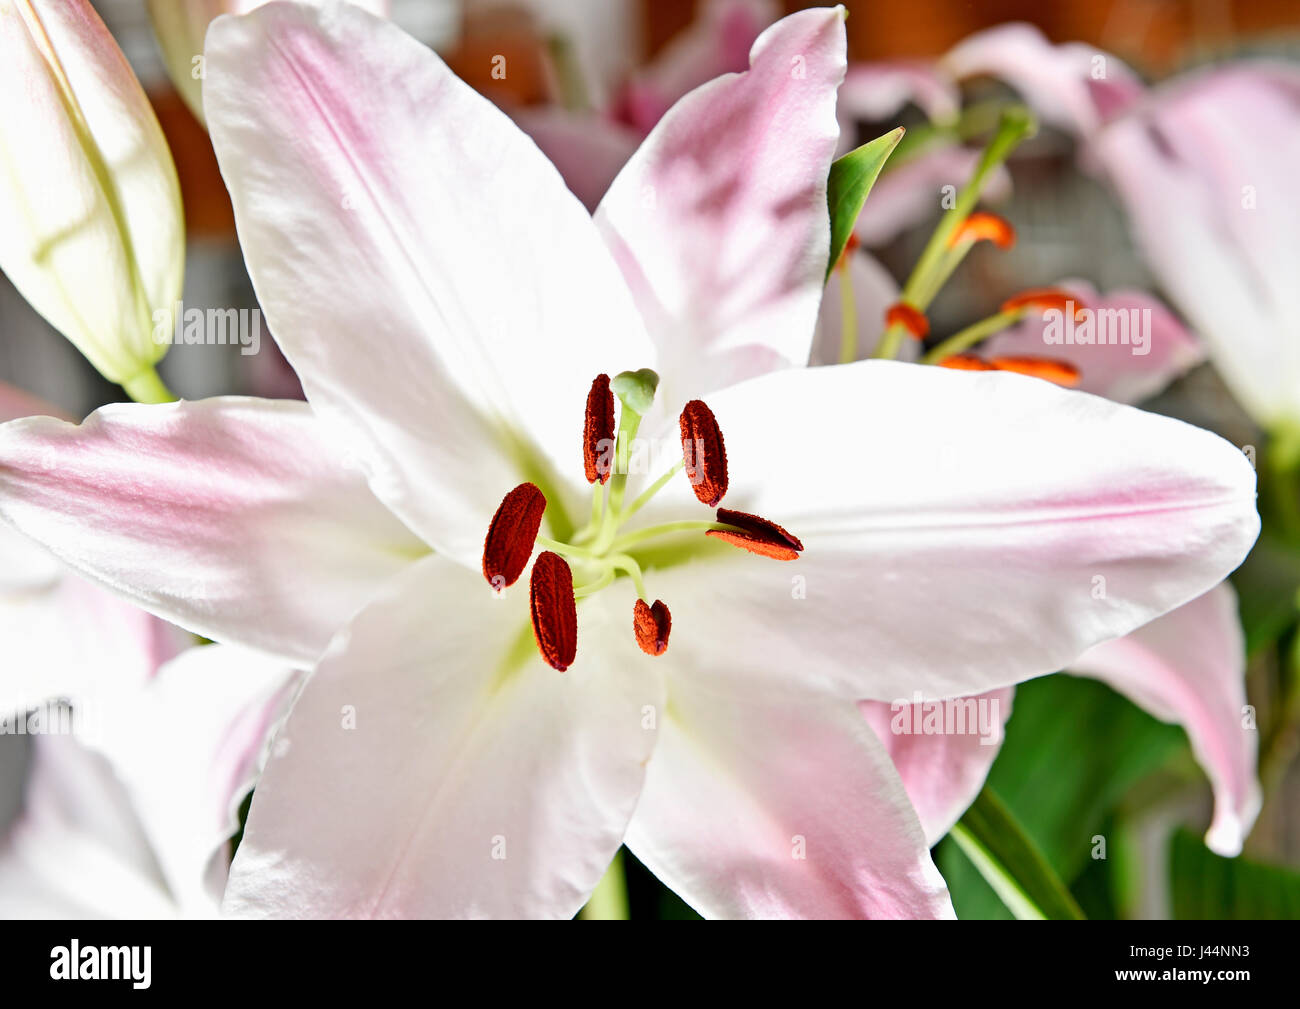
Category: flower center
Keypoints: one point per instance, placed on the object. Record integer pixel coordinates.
(602, 551)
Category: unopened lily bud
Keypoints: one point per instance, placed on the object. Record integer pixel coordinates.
(91, 230)
(181, 26)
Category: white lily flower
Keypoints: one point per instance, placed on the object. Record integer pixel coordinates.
(447, 318)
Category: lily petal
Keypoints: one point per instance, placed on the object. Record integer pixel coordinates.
(444, 299)
(90, 216)
(187, 748)
(988, 527)
(180, 26)
(716, 43)
(229, 516)
(1189, 667)
(77, 850)
(73, 641)
(719, 221)
(1073, 86)
(942, 771)
(1205, 170)
(126, 819)
(424, 772)
(766, 802)
(1160, 348)
(876, 91)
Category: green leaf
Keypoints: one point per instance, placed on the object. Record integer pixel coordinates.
(851, 179)
(1074, 749)
(1208, 886)
(992, 839)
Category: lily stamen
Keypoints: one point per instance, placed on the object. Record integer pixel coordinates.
(511, 535)
(598, 551)
(554, 613)
(705, 452)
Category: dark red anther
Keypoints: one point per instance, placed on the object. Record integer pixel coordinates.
(757, 535)
(652, 625)
(510, 537)
(598, 431)
(554, 611)
(705, 452)
(912, 319)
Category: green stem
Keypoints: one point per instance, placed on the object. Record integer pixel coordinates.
(591, 588)
(625, 563)
(609, 900)
(649, 492)
(684, 525)
(848, 315)
(147, 387)
(1011, 863)
(974, 333)
(628, 426)
(1015, 124)
(566, 549)
(1283, 463)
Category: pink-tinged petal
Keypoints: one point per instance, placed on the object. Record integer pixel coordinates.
(988, 527)
(78, 850)
(874, 290)
(1205, 170)
(1074, 86)
(876, 91)
(434, 766)
(588, 151)
(90, 217)
(180, 26)
(232, 517)
(73, 641)
(719, 221)
(1148, 347)
(126, 819)
(1189, 668)
(444, 299)
(187, 749)
(717, 43)
(766, 802)
(942, 770)
(912, 192)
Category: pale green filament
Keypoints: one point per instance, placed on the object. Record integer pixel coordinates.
(939, 259)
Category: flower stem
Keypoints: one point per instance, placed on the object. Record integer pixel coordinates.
(649, 492)
(1015, 124)
(565, 549)
(625, 563)
(966, 338)
(684, 525)
(848, 314)
(147, 387)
